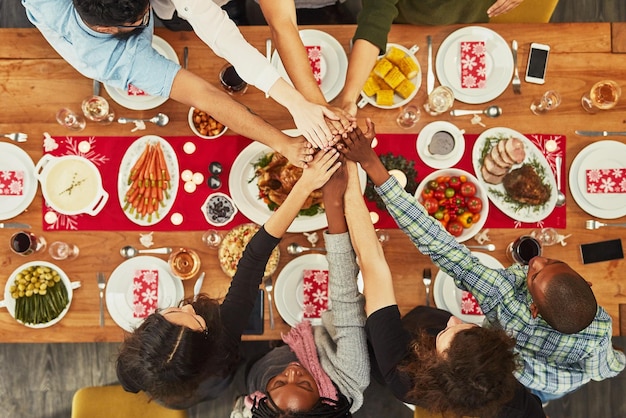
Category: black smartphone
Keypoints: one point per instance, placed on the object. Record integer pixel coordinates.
(255, 321)
(594, 252)
(537, 63)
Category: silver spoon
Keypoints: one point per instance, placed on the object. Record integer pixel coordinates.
(491, 111)
(129, 251)
(295, 249)
(488, 247)
(560, 198)
(160, 119)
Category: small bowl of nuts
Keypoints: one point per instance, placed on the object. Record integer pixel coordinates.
(203, 125)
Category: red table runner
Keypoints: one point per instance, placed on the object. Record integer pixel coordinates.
(107, 153)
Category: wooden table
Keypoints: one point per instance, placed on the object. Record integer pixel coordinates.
(35, 82)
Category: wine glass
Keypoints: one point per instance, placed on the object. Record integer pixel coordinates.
(71, 120)
(26, 243)
(230, 80)
(546, 236)
(550, 100)
(603, 95)
(60, 250)
(97, 109)
(523, 249)
(408, 116)
(212, 238)
(440, 100)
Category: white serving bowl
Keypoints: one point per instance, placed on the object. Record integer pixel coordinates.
(192, 125)
(480, 192)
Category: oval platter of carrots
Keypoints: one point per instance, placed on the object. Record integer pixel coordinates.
(148, 180)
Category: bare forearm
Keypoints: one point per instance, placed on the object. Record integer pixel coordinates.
(362, 60)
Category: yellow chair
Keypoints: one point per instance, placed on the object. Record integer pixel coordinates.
(529, 11)
(114, 401)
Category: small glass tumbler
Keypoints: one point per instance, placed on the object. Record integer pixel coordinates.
(26, 243)
(71, 120)
(97, 109)
(603, 95)
(549, 101)
(523, 249)
(60, 250)
(383, 236)
(408, 116)
(440, 100)
(230, 80)
(212, 238)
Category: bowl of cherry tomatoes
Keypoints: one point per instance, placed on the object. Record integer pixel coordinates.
(456, 199)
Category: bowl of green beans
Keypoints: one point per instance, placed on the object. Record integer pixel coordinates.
(38, 294)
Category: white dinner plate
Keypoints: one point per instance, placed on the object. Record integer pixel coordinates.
(13, 158)
(600, 154)
(9, 302)
(119, 290)
(440, 161)
(144, 102)
(527, 213)
(333, 63)
(398, 101)
(244, 190)
(498, 65)
(288, 291)
(132, 154)
(448, 297)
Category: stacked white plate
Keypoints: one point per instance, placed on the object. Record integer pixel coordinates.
(598, 155)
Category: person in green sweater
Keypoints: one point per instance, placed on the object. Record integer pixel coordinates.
(374, 23)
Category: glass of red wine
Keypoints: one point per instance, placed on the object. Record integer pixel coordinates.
(230, 80)
(26, 243)
(523, 249)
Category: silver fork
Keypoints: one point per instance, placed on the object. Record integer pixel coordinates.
(16, 136)
(269, 286)
(427, 279)
(101, 286)
(593, 224)
(517, 84)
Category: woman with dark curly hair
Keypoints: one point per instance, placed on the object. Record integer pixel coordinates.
(430, 358)
(322, 370)
(185, 355)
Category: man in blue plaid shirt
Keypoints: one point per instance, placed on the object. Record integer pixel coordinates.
(563, 336)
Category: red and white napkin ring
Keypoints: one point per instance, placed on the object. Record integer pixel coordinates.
(11, 183)
(315, 59)
(315, 287)
(606, 180)
(473, 68)
(469, 304)
(145, 292)
(135, 91)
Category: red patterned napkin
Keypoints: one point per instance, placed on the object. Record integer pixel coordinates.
(135, 91)
(315, 286)
(469, 305)
(11, 183)
(315, 59)
(145, 292)
(605, 180)
(473, 71)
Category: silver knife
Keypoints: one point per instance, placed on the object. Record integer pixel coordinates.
(14, 225)
(599, 133)
(430, 76)
(96, 87)
(198, 286)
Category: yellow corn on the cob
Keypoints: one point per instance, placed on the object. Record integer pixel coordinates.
(405, 89)
(371, 86)
(408, 67)
(384, 97)
(395, 55)
(394, 77)
(382, 67)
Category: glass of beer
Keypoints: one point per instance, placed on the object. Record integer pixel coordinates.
(603, 95)
(185, 263)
